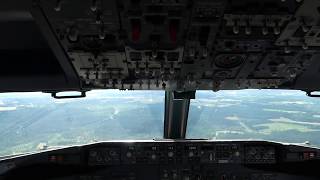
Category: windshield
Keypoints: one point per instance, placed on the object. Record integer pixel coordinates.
(277, 115)
(35, 121)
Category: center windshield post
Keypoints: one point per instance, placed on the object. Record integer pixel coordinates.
(176, 113)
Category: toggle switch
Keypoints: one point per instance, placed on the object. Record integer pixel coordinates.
(102, 34)
(235, 27)
(98, 17)
(248, 30)
(93, 5)
(58, 6)
(73, 34)
(265, 30)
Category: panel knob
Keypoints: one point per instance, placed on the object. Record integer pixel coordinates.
(170, 154)
(129, 154)
(153, 156)
(191, 154)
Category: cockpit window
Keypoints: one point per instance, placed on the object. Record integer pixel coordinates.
(277, 115)
(33, 121)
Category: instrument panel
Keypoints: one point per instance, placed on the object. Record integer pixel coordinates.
(188, 45)
(169, 160)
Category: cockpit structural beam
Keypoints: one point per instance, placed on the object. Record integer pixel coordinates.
(176, 114)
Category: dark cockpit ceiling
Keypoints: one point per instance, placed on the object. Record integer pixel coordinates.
(27, 62)
(185, 45)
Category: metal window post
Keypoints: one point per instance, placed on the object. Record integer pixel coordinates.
(176, 114)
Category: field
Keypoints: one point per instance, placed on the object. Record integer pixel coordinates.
(30, 119)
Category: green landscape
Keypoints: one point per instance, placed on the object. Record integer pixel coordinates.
(28, 120)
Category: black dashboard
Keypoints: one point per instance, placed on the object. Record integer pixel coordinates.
(168, 160)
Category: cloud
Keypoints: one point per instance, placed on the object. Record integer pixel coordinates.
(269, 128)
(218, 133)
(291, 102)
(8, 108)
(316, 115)
(26, 95)
(230, 100)
(284, 111)
(287, 120)
(232, 118)
(30, 105)
(225, 105)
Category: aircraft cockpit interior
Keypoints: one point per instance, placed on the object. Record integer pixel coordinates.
(160, 89)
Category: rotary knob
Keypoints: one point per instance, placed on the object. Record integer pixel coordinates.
(129, 154)
(153, 156)
(170, 154)
(165, 175)
(174, 175)
(191, 154)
